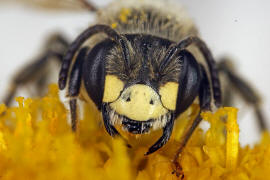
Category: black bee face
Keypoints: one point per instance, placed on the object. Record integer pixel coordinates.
(143, 93)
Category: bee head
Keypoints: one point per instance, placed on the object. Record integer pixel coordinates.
(143, 92)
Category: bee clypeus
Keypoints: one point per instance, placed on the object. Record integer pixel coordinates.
(142, 65)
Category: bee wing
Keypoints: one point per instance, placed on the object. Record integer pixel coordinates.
(65, 5)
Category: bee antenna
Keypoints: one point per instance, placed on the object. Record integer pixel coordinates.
(73, 48)
(174, 49)
(170, 53)
(125, 50)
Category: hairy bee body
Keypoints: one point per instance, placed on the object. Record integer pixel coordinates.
(148, 17)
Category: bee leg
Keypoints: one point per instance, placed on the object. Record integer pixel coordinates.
(89, 5)
(106, 120)
(205, 104)
(26, 75)
(73, 113)
(56, 46)
(74, 86)
(167, 131)
(245, 90)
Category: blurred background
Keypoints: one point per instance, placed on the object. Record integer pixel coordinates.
(239, 29)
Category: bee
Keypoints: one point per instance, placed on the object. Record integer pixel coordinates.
(142, 65)
(141, 75)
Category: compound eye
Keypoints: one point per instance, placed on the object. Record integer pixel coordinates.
(168, 93)
(112, 88)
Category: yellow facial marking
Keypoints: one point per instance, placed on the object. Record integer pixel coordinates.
(168, 94)
(139, 102)
(112, 88)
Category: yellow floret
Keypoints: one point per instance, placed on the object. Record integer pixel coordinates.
(36, 142)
